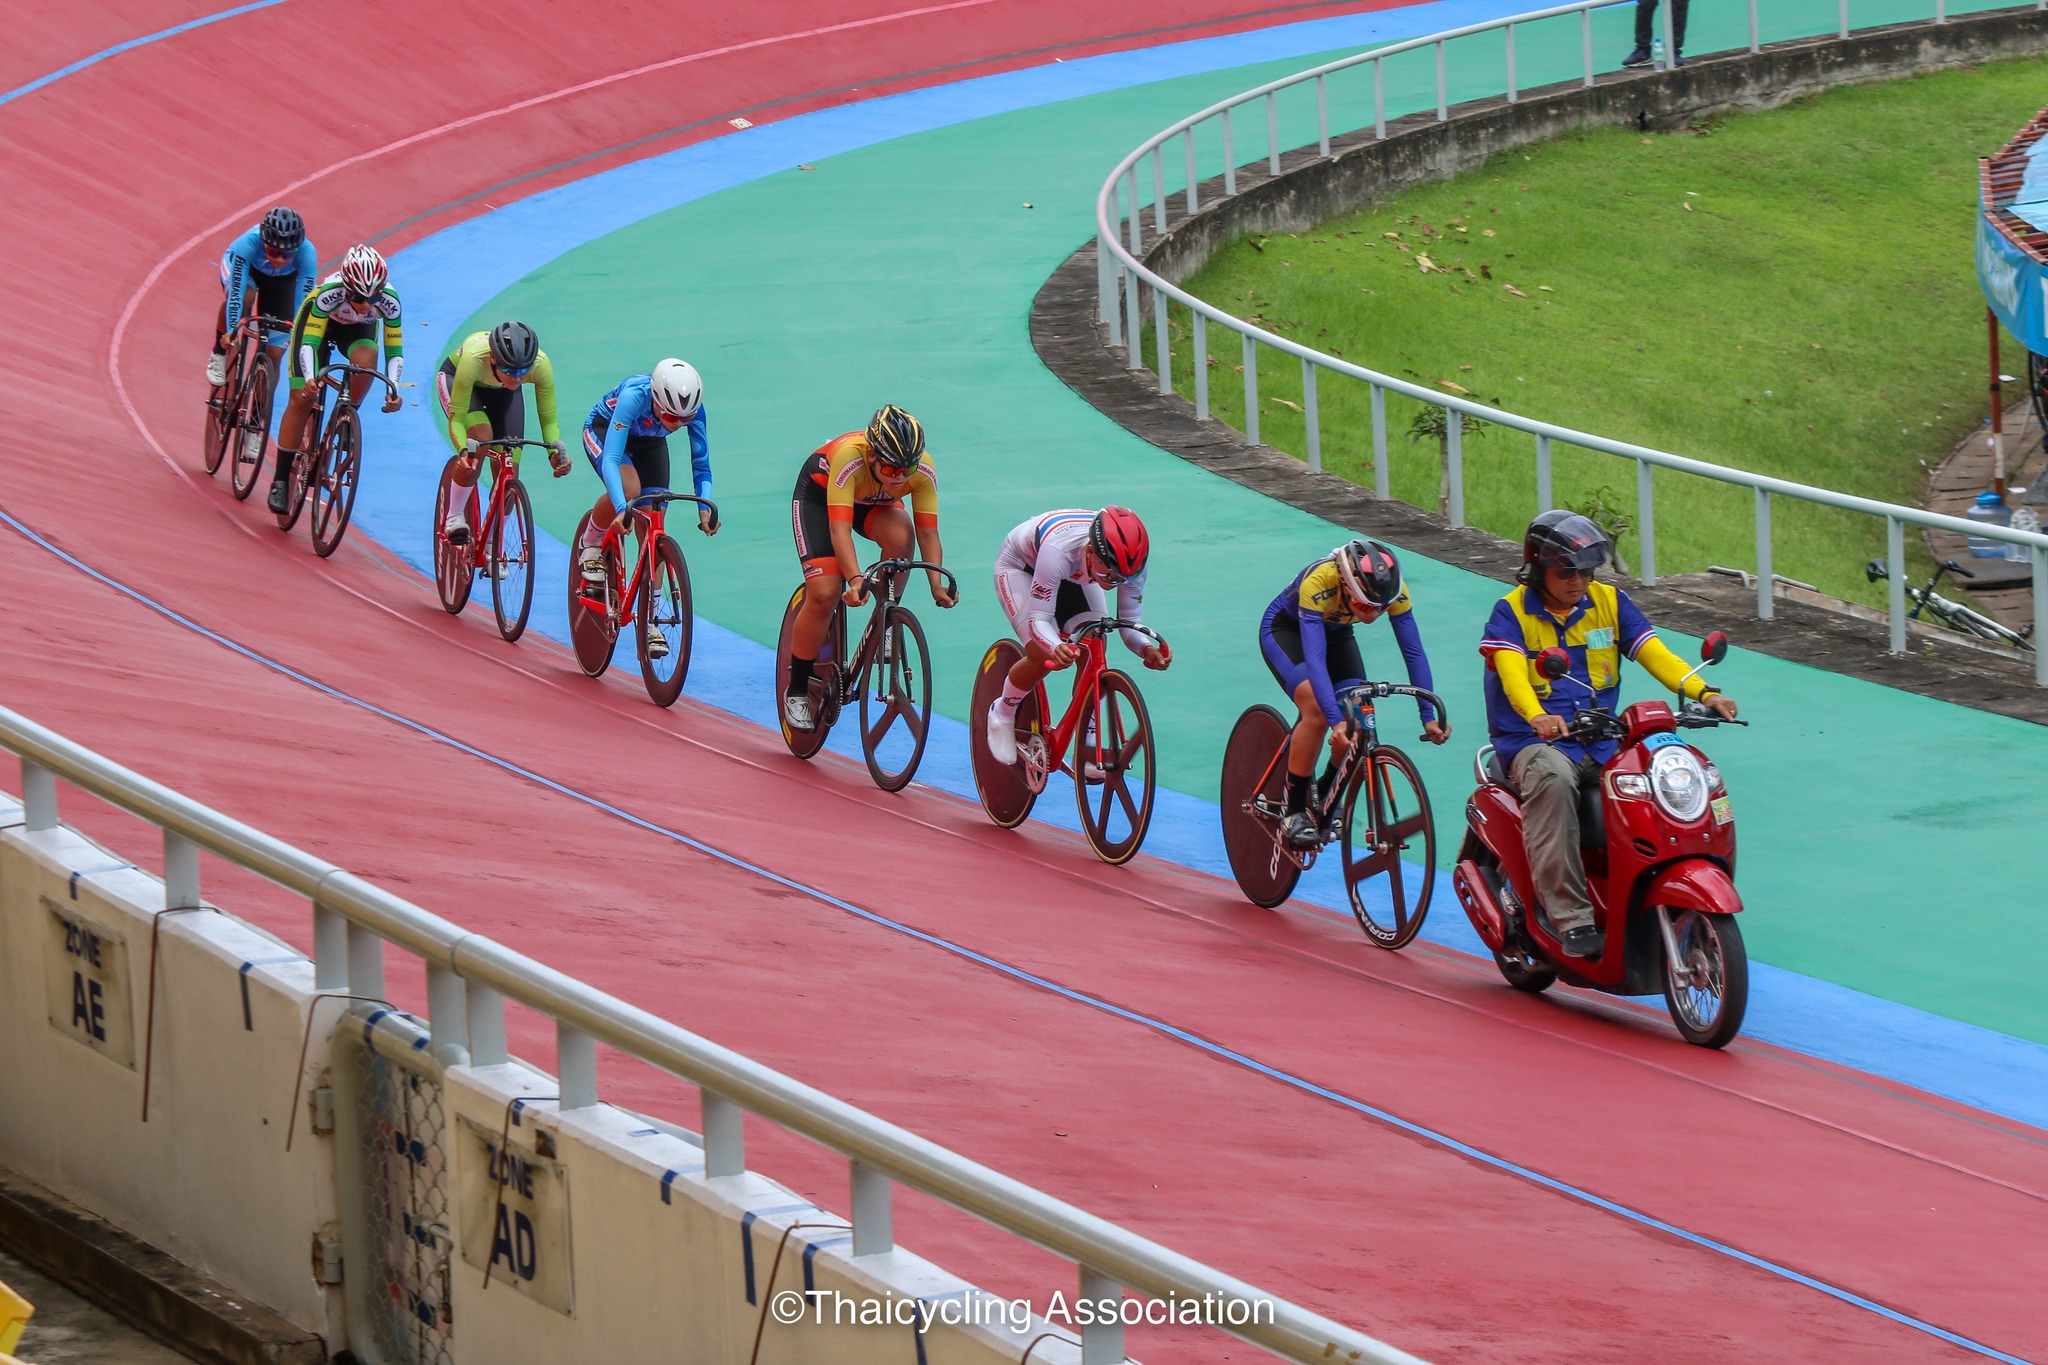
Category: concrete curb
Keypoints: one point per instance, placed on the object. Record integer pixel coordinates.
(143, 1286)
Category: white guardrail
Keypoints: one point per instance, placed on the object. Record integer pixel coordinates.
(469, 979)
(1120, 240)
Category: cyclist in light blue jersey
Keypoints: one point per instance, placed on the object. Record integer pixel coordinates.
(626, 439)
(274, 261)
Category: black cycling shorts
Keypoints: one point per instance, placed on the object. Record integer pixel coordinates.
(502, 408)
(647, 454)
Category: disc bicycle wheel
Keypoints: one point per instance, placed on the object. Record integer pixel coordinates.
(454, 570)
(665, 622)
(896, 701)
(1004, 791)
(1113, 816)
(824, 678)
(511, 559)
(252, 418)
(591, 622)
(1388, 829)
(334, 484)
(1255, 766)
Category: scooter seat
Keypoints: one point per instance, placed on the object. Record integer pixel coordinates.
(1494, 772)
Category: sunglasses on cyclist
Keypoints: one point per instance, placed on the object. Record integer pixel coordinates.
(514, 371)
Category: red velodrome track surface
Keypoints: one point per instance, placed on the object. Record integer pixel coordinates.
(125, 179)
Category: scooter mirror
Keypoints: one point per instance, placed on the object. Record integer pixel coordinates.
(1714, 648)
(1553, 663)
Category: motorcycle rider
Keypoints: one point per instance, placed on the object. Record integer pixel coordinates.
(1557, 603)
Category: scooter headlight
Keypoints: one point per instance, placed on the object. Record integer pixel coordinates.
(1679, 782)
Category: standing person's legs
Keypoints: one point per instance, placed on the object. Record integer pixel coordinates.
(1678, 8)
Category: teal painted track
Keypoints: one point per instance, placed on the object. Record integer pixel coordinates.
(817, 267)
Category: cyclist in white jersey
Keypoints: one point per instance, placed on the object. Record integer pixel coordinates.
(1050, 575)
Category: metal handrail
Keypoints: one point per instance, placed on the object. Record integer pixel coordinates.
(1119, 271)
(487, 974)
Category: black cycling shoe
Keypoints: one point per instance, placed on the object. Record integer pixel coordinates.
(280, 497)
(1302, 831)
(1581, 940)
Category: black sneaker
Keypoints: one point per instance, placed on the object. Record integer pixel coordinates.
(1640, 57)
(1679, 60)
(1581, 940)
(280, 497)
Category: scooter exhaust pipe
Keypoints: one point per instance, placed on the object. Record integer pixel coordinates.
(1481, 906)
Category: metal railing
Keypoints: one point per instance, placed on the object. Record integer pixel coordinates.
(469, 979)
(1121, 279)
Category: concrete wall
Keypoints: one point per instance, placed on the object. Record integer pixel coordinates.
(1364, 170)
(617, 1247)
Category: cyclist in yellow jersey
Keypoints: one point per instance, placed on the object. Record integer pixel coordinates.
(478, 386)
(857, 483)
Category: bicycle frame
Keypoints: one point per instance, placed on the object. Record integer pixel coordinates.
(498, 451)
(1357, 706)
(651, 521)
(890, 572)
(1093, 663)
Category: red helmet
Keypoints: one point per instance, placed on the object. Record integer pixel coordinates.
(363, 272)
(1118, 539)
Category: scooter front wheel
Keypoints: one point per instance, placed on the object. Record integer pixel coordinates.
(1707, 985)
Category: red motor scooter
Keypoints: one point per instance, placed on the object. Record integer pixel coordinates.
(1658, 838)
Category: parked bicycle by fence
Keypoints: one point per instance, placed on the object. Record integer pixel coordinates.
(1374, 805)
(1954, 615)
(656, 593)
(330, 460)
(890, 673)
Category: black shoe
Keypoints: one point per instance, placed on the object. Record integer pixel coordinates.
(1580, 941)
(1640, 57)
(1679, 60)
(1302, 831)
(280, 497)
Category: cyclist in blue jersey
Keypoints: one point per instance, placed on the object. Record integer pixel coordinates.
(276, 263)
(1306, 638)
(626, 438)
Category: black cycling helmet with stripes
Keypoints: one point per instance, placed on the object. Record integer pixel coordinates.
(282, 230)
(896, 438)
(514, 346)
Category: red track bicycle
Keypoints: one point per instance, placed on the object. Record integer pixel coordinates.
(330, 459)
(500, 544)
(241, 409)
(657, 593)
(1108, 728)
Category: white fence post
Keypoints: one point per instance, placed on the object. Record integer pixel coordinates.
(1201, 364)
(1158, 189)
(1323, 117)
(2040, 613)
(1586, 42)
(447, 1017)
(1163, 340)
(365, 963)
(1379, 102)
(1102, 1342)
(1512, 97)
(1454, 448)
(1272, 133)
(1895, 552)
(1381, 479)
(1443, 88)
(485, 1009)
(873, 1232)
(1229, 158)
(181, 872)
(725, 1148)
(330, 950)
(1194, 205)
(38, 796)
(1646, 524)
(1755, 45)
(575, 1067)
(1251, 390)
(1543, 502)
(1766, 600)
(1308, 416)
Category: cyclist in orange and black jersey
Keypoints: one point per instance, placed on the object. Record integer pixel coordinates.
(857, 483)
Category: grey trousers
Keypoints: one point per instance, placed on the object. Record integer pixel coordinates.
(1549, 785)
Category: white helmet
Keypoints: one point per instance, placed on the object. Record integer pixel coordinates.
(677, 388)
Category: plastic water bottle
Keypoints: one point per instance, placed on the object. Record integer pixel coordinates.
(2023, 519)
(1657, 53)
(1991, 510)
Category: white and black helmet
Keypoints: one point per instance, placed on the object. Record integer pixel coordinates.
(677, 388)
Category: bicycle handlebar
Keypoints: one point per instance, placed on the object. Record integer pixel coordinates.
(661, 497)
(1103, 625)
(896, 566)
(509, 443)
(1354, 698)
(327, 373)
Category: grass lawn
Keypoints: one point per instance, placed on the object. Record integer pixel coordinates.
(1789, 292)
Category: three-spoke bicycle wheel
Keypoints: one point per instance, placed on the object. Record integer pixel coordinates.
(1254, 766)
(1115, 775)
(511, 560)
(1005, 793)
(252, 418)
(824, 678)
(334, 485)
(454, 570)
(896, 701)
(665, 622)
(591, 621)
(1388, 830)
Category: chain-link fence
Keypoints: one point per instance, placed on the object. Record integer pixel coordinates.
(400, 1240)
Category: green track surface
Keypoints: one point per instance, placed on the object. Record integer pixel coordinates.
(1884, 835)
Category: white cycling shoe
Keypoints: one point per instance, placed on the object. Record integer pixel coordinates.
(1002, 732)
(252, 445)
(657, 645)
(590, 559)
(796, 710)
(216, 370)
(456, 528)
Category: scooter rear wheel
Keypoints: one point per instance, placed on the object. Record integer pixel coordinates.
(1534, 980)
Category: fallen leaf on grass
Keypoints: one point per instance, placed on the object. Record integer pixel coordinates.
(1686, 207)
(1546, 289)
(1464, 367)
(1486, 272)
(1453, 387)
(1285, 403)
(1425, 265)
(1516, 292)
(1487, 233)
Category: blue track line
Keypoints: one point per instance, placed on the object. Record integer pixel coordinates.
(118, 48)
(1032, 979)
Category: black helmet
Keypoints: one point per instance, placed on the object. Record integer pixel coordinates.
(1369, 573)
(896, 438)
(283, 230)
(1563, 539)
(514, 346)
